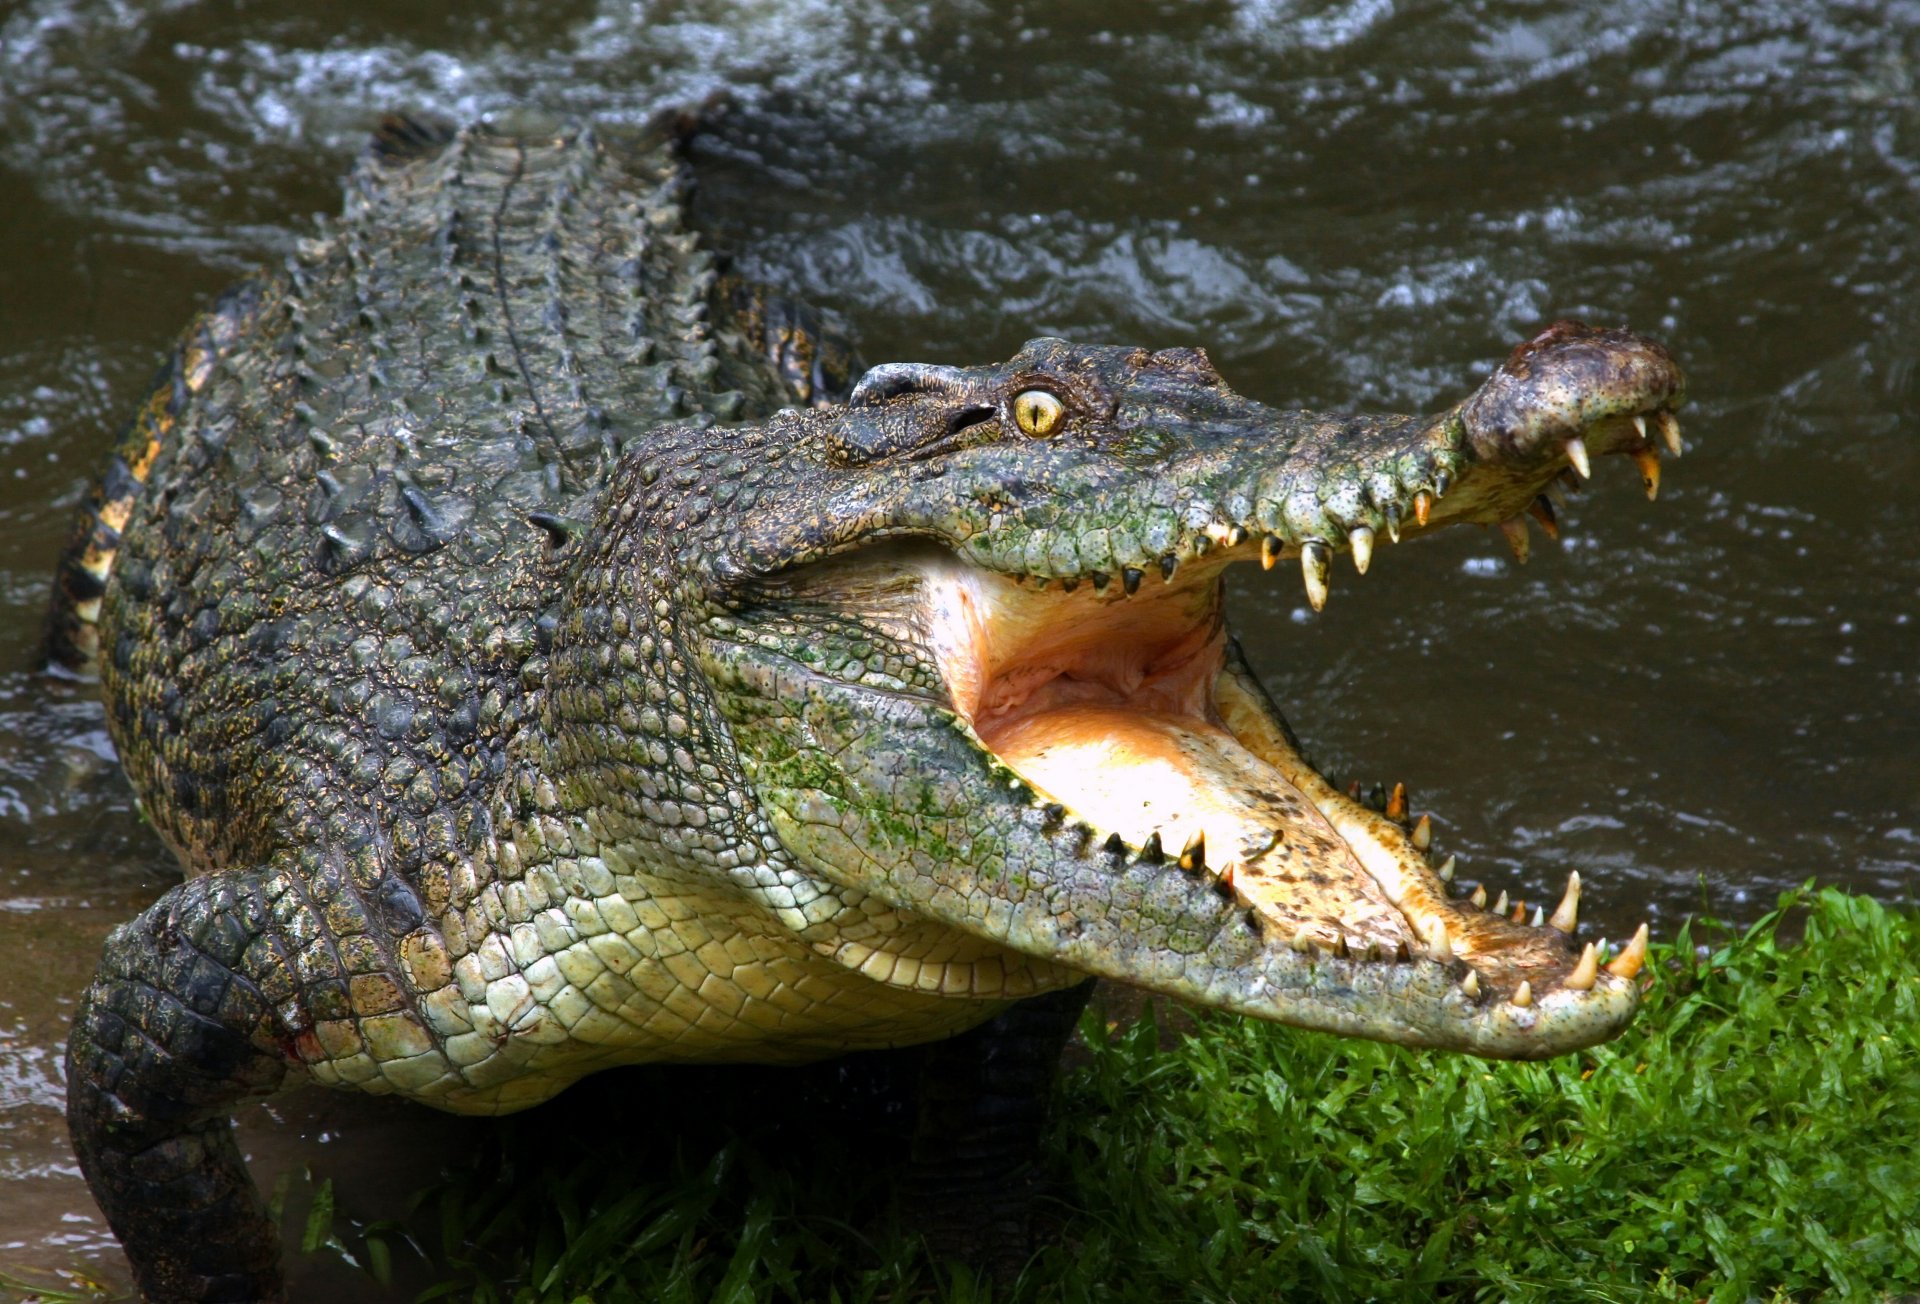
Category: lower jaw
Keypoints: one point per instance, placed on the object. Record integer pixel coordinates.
(1225, 792)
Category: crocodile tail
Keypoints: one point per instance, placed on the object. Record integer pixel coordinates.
(80, 579)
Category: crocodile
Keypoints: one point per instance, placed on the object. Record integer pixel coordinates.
(542, 654)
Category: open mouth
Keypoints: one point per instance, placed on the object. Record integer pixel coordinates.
(1125, 702)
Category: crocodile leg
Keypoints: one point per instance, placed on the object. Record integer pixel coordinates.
(175, 1031)
(970, 1183)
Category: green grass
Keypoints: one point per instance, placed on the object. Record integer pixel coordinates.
(1753, 1136)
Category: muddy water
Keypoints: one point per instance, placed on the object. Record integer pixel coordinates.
(1358, 204)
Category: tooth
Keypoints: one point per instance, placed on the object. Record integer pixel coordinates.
(1517, 539)
(1519, 915)
(1479, 897)
(1302, 943)
(1340, 949)
(1669, 431)
(1471, 985)
(1446, 870)
(1423, 833)
(1392, 513)
(1100, 580)
(1403, 953)
(1584, 973)
(1640, 424)
(1167, 564)
(1577, 455)
(1115, 846)
(1539, 916)
(1500, 906)
(1541, 510)
(1150, 850)
(1361, 539)
(1649, 464)
(1522, 995)
(1627, 963)
(1194, 854)
(1130, 579)
(1439, 945)
(1567, 913)
(1316, 561)
(1236, 536)
(1422, 506)
(1270, 551)
(1397, 804)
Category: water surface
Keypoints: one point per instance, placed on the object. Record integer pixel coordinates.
(1693, 702)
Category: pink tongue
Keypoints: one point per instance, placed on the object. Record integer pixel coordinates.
(1136, 773)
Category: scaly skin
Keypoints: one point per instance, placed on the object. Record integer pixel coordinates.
(516, 713)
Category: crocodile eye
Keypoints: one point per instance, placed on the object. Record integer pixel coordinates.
(1038, 412)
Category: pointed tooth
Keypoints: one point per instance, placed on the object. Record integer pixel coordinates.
(1392, 513)
(1397, 804)
(1422, 506)
(1479, 897)
(1236, 535)
(1423, 833)
(1270, 548)
(1584, 973)
(1302, 943)
(1539, 916)
(1194, 854)
(1341, 950)
(1500, 906)
(1649, 463)
(1446, 869)
(1640, 424)
(1439, 945)
(1361, 540)
(1519, 915)
(1115, 845)
(1150, 850)
(1316, 564)
(1567, 913)
(1522, 995)
(1627, 963)
(1669, 431)
(1471, 985)
(1541, 510)
(1518, 541)
(1576, 449)
(1403, 953)
(1130, 579)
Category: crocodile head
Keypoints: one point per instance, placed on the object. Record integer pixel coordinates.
(968, 634)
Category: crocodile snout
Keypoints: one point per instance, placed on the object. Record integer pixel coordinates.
(1562, 384)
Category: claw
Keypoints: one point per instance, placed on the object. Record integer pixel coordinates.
(1577, 457)
(1361, 539)
(1627, 963)
(1567, 913)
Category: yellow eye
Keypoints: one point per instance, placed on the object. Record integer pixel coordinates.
(1038, 412)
